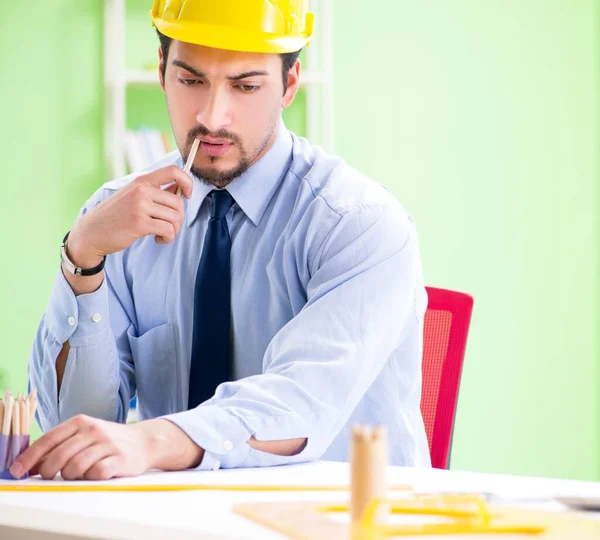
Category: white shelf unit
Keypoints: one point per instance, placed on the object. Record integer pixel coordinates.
(318, 84)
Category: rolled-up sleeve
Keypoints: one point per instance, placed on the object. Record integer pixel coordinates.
(360, 307)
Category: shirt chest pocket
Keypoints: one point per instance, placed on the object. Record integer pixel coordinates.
(156, 370)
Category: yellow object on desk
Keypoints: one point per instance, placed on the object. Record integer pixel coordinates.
(73, 487)
(465, 514)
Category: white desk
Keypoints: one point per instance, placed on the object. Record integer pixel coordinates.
(206, 514)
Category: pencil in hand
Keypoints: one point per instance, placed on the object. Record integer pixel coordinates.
(189, 162)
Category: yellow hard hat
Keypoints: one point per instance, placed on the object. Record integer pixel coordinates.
(264, 26)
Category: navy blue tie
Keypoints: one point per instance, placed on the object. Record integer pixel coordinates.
(211, 357)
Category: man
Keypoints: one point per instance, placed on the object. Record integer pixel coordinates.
(259, 316)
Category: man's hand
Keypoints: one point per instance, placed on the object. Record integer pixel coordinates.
(92, 449)
(139, 209)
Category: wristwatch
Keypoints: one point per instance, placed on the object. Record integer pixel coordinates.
(75, 270)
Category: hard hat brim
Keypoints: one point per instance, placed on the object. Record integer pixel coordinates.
(231, 39)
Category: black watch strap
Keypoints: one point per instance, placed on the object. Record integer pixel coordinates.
(75, 270)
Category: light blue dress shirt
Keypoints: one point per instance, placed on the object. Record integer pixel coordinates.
(327, 318)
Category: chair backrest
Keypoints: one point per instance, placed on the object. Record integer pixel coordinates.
(445, 332)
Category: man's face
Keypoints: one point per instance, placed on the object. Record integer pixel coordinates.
(229, 100)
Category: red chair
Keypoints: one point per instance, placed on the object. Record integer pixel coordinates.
(445, 332)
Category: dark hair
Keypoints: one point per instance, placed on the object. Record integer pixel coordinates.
(287, 59)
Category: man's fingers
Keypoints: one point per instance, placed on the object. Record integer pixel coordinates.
(60, 456)
(167, 197)
(79, 464)
(164, 213)
(171, 189)
(163, 230)
(40, 448)
(36, 468)
(105, 469)
(169, 174)
(169, 200)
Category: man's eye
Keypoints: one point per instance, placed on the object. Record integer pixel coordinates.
(189, 82)
(248, 88)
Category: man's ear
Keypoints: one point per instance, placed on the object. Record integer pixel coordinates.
(293, 84)
(161, 62)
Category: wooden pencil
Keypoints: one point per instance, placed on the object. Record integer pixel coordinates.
(8, 412)
(32, 405)
(18, 405)
(190, 161)
(25, 416)
(16, 423)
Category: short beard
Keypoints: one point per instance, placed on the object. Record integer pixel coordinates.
(221, 179)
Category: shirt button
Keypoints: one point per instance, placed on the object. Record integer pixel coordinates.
(216, 465)
(96, 317)
(71, 321)
(228, 445)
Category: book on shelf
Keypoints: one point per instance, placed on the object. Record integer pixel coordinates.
(145, 146)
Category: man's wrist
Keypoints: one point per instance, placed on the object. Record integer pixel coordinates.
(79, 256)
(168, 447)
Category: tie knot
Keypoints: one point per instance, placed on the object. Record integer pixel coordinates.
(221, 203)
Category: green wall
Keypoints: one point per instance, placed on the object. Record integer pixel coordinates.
(482, 117)
(483, 120)
(51, 155)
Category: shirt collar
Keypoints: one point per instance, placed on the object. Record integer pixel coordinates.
(254, 189)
